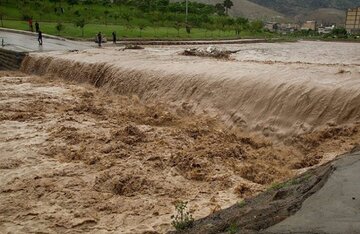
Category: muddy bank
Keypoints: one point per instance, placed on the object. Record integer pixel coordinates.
(256, 214)
(299, 205)
(341, 214)
(78, 158)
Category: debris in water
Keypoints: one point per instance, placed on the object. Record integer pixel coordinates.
(132, 47)
(210, 51)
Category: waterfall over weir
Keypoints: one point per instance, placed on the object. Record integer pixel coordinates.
(278, 98)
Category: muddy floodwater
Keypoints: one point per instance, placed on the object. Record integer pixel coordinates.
(108, 140)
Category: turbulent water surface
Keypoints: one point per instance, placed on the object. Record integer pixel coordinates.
(107, 140)
(279, 88)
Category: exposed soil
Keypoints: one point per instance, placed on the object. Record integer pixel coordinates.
(74, 158)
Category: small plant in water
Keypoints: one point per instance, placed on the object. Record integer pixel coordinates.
(183, 218)
(232, 229)
(241, 203)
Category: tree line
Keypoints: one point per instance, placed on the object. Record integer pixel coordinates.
(135, 14)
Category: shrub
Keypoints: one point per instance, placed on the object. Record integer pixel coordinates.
(183, 218)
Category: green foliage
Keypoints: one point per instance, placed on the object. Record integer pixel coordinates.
(256, 26)
(220, 9)
(228, 4)
(126, 17)
(154, 18)
(178, 25)
(2, 15)
(232, 229)
(73, 2)
(277, 186)
(339, 32)
(106, 14)
(241, 203)
(59, 27)
(26, 13)
(142, 25)
(182, 219)
(81, 22)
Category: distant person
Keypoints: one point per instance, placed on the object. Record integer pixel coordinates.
(37, 27)
(114, 37)
(31, 25)
(40, 40)
(99, 39)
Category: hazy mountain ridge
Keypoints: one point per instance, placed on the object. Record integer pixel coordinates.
(248, 9)
(324, 11)
(296, 7)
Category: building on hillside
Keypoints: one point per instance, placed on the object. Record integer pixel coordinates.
(288, 28)
(271, 26)
(352, 23)
(309, 25)
(281, 27)
(325, 29)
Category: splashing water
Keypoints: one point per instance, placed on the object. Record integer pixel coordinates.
(283, 96)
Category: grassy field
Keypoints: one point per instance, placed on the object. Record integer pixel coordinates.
(90, 30)
(126, 19)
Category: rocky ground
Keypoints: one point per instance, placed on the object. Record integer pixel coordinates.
(74, 158)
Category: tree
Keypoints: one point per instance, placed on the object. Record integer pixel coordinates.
(221, 23)
(59, 27)
(106, 13)
(2, 14)
(209, 27)
(154, 20)
(26, 13)
(188, 28)
(238, 28)
(81, 22)
(116, 17)
(162, 5)
(73, 2)
(228, 4)
(339, 32)
(142, 25)
(256, 26)
(220, 9)
(177, 26)
(126, 16)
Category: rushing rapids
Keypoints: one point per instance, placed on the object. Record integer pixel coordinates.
(279, 97)
(107, 140)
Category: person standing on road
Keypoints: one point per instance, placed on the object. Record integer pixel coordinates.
(40, 40)
(99, 38)
(114, 37)
(31, 25)
(37, 27)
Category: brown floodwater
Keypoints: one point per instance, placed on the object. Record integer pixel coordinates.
(107, 140)
(282, 89)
